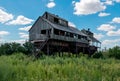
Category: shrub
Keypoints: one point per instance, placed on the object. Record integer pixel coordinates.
(97, 55)
(114, 52)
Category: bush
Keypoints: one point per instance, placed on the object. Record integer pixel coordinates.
(97, 55)
(114, 52)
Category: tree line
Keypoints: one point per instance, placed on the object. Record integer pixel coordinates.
(28, 48)
(10, 48)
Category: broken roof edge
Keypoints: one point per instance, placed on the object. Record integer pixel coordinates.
(54, 15)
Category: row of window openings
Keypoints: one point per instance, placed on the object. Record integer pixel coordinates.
(58, 21)
(62, 33)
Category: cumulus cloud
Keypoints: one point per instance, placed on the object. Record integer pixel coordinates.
(24, 35)
(5, 16)
(116, 20)
(114, 33)
(25, 28)
(20, 20)
(101, 14)
(3, 33)
(51, 4)
(109, 2)
(118, 1)
(86, 7)
(111, 42)
(98, 36)
(71, 24)
(106, 27)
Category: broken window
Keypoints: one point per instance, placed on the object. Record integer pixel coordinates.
(56, 32)
(67, 34)
(71, 35)
(56, 20)
(62, 33)
(43, 31)
(79, 36)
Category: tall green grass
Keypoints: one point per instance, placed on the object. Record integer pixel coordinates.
(18, 67)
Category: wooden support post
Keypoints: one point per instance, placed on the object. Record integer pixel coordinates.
(47, 48)
(76, 51)
(59, 53)
(69, 51)
(83, 50)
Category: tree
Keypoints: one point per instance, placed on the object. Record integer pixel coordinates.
(10, 48)
(114, 52)
(28, 48)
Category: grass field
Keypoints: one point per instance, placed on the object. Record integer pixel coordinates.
(18, 67)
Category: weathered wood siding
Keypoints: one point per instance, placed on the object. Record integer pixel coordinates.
(35, 31)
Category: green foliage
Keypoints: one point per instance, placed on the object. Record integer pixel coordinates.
(114, 52)
(19, 67)
(97, 55)
(10, 48)
(28, 48)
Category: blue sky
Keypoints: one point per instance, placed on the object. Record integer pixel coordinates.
(101, 16)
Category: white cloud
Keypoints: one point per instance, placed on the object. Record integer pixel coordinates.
(106, 27)
(25, 28)
(118, 1)
(86, 7)
(98, 36)
(71, 24)
(51, 4)
(20, 20)
(111, 43)
(116, 20)
(101, 14)
(24, 35)
(109, 2)
(114, 33)
(3, 33)
(4, 16)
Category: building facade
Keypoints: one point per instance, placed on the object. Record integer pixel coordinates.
(51, 34)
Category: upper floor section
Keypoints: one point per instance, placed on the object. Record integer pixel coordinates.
(55, 19)
(87, 32)
(50, 26)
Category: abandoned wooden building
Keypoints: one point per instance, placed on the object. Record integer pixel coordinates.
(51, 34)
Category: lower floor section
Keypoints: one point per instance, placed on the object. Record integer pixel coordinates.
(51, 46)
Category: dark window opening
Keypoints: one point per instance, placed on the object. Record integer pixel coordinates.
(67, 34)
(75, 36)
(56, 32)
(85, 38)
(43, 31)
(62, 33)
(79, 36)
(71, 35)
(59, 32)
(56, 20)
